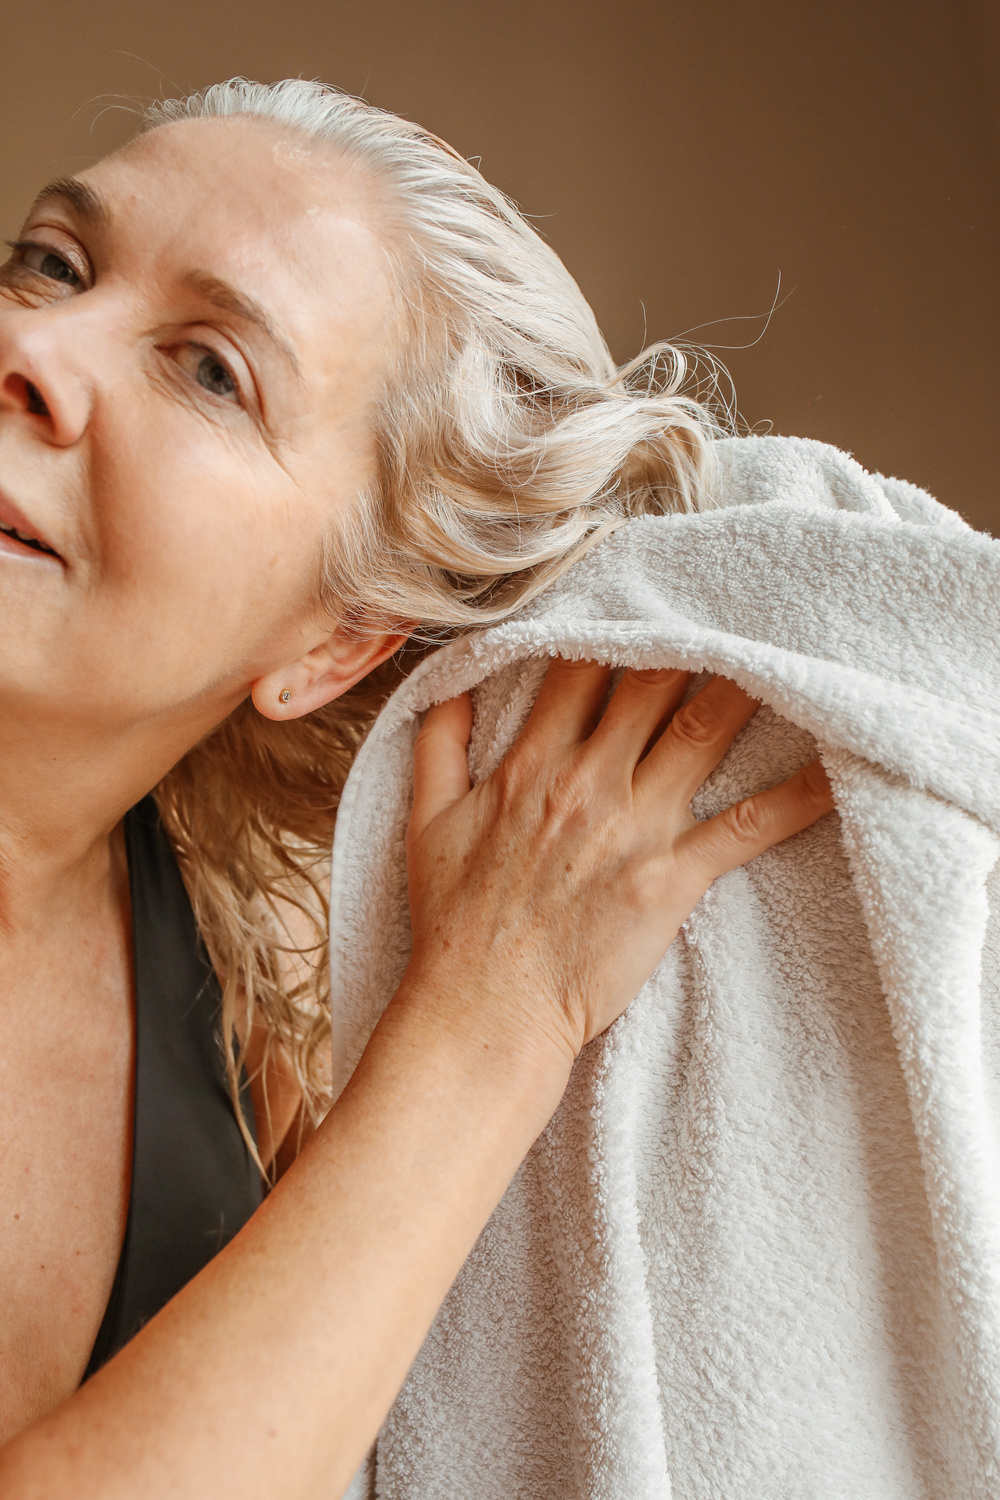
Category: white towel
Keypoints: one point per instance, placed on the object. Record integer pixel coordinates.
(757, 1252)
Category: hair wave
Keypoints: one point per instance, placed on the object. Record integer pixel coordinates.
(507, 443)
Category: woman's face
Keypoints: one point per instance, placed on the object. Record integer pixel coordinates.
(191, 338)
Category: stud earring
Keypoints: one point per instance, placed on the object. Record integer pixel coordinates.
(284, 695)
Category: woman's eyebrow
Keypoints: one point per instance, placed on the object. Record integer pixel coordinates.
(221, 294)
(88, 203)
(92, 208)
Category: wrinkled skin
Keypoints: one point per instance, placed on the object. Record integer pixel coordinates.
(618, 861)
(183, 468)
(175, 471)
(180, 462)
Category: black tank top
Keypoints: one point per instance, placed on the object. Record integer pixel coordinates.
(194, 1182)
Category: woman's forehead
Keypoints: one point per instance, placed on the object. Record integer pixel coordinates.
(260, 175)
(288, 222)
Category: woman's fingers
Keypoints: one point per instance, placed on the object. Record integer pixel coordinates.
(757, 823)
(695, 740)
(642, 705)
(569, 701)
(440, 760)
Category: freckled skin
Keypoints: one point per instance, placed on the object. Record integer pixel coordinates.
(191, 527)
(188, 526)
(189, 530)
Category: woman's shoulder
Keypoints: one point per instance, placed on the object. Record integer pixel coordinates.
(803, 471)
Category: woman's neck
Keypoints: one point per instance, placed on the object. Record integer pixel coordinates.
(63, 793)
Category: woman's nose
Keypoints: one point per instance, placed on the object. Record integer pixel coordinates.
(42, 380)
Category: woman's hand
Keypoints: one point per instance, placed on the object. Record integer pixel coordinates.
(541, 902)
(545, 897)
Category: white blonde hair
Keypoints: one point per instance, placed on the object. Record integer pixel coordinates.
(507, 442)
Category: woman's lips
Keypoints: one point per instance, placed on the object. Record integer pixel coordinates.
(15, 546)
(18, 537)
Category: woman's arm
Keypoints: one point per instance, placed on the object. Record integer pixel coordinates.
(541, 902)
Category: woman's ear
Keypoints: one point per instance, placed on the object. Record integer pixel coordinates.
(321, 675)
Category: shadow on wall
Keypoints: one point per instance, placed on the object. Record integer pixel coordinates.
(679, 156)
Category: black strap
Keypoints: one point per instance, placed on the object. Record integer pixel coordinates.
(194, 1182)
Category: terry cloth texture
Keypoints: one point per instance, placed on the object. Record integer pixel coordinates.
(756, 1254)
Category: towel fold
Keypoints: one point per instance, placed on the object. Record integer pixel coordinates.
(756, 1253)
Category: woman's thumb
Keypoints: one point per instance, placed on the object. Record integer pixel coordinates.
(440, 763)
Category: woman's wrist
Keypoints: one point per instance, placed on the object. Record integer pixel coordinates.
(500, 1040)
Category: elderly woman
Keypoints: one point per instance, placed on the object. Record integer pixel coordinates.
(285, 386)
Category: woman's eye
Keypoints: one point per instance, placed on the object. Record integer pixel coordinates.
(209, 371)
(214, 376)
(50, 265)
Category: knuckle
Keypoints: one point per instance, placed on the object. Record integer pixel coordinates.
(697, 723)
(565, 666)
(641, 885)
(519, 770)
(654, 677)
(747, 821)
(569, 796)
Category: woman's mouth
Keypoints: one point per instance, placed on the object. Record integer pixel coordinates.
(27, 541)
(17, 534)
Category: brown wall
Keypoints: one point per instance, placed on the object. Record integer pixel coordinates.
(678, 154)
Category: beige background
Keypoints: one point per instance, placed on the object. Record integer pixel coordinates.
(678, 153)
